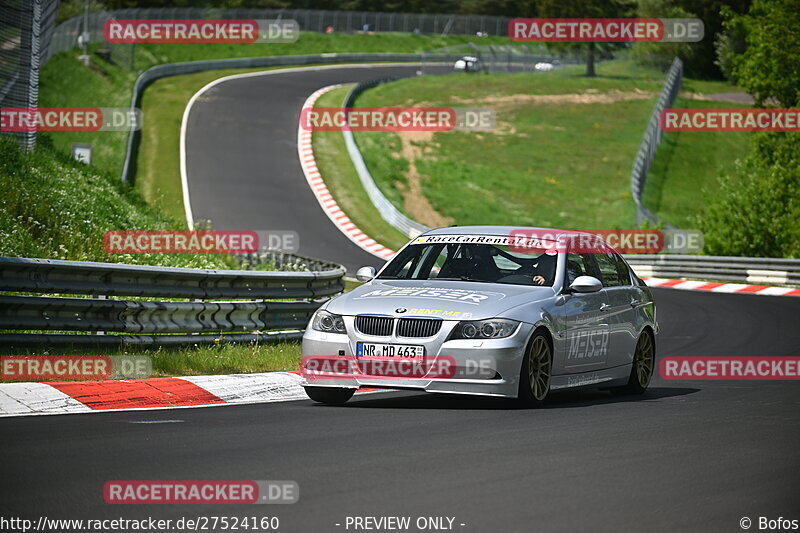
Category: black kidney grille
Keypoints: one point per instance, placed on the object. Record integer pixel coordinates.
(375, 325)
(418, 327)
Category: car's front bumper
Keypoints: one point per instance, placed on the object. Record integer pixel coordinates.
(488, 367)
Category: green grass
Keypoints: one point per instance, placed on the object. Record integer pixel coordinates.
(529, 170)
(687, 166)
(556, 164)
(65, 82)
(343, 182)
(56, 208)
(198, 360)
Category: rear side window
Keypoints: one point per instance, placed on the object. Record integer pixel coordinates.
(609, 274)
(578, 265)
(622, 269)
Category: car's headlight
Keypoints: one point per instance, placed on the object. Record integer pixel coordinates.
(328, 322)
(495, 328)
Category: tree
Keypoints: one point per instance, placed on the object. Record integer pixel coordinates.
(757, 211)
(759, 207)
(701, 63)
(729, 43)
(586, 9)
(770, 66)
(660, 55)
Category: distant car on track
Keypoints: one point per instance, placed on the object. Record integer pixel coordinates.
(468, 64)
(475, 310)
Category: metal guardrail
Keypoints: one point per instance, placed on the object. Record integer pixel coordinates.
(32, 312)
(752, 270)
(177, 69)
(159, 323)
(652, 138)
(385, 208)
(300, 293)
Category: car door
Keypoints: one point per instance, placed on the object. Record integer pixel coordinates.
(617, 287)
(631, 316)
(586, 323)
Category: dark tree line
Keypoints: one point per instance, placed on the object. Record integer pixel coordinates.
(700, 58)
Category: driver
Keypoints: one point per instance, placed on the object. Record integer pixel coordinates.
(545, 269)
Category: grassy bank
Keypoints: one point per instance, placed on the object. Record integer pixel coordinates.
(56, 208)
(560, 155)
(687, 167)
(199, 360)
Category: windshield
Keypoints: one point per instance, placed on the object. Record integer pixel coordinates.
(487, 263)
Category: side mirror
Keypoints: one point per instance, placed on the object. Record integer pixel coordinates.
(366, 274)
(586, 284)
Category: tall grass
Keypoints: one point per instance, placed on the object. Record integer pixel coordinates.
(56, 208)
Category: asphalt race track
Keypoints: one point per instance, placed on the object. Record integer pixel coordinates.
(242, 164)
(693, 456)
(686, 456)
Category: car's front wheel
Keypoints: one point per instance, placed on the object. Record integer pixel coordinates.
(644, 358)
(536, 371)
(330, 395)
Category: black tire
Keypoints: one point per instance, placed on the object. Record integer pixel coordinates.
(330, 395)
(644, 362)
(536, 372)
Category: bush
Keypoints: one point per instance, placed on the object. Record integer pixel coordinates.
(757, 212)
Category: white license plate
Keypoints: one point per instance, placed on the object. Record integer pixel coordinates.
(399, 351)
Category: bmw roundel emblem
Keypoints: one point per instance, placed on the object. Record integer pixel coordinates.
(400, 310)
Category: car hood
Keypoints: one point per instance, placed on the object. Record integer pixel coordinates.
(454, 300)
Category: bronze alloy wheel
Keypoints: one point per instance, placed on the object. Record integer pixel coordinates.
(540, 366)
(643, 360)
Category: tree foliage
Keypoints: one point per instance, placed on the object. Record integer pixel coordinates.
(770, 66)
(660, 55)
(587, 9)
(729, 43)
(758, 211)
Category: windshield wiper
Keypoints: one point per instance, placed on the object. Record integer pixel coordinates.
(462, 278)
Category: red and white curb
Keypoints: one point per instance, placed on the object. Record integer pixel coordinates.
(732, 288)
(323, 195)
(52, 398)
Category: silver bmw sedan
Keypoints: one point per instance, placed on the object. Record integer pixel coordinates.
(491, 311)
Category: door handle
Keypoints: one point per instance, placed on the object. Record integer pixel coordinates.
(605, 307)
(635, 302)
